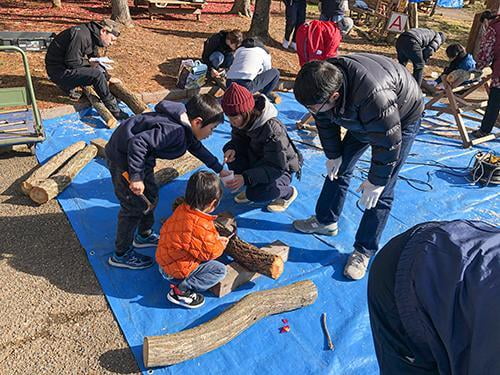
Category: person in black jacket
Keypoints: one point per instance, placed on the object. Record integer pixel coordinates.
(418, 45)
(433, 300)
(295, 15)
(67, 61)
(168, 133)
(260, 152)
(380, 105)
(218, 50)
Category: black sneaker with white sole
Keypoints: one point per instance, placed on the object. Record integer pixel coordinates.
(188, 298)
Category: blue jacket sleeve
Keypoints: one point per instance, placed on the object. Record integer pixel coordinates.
(201, 152)
(329, 136)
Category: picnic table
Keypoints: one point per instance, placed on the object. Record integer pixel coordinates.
(172, 7)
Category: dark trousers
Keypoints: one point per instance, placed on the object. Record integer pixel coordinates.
(265, 82)
(408, 50)
(68, 79)
(492, 110)
(131, 217)
(332, 197)
(278, 188)
(221, 60)
(396, 352)
(295, 15)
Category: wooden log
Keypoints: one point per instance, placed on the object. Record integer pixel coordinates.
(51, 187)
(101, 145)
(96, 102)
(249, 256)
(238, 275)
(123, 93)
(168, 170)
(44, 171)
(178, 347)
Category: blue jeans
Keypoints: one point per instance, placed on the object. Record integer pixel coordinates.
(221, 60)
(205, 276)
(265, 82)
(332, 197)
(335, 19)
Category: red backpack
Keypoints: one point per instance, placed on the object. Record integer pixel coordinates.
(317, 40)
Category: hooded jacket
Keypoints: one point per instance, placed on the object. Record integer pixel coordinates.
(138, 141)
(72, 47)
(379, 98)
(216, 42)
(267, 146)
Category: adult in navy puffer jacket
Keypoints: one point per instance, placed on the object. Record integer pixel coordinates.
(433, 296)
(168, 133)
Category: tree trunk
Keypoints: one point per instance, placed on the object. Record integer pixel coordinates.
(120, 12)
(56, 4)
(241, 7)
(52, 186)
(178, 347)
(123, 93)
(44, 171)
(250, 256)
(96, 102)
(260, 19)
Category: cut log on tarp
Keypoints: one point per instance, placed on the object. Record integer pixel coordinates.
(250, 256)
(122, 92)
(44, 171)
(168, 170)
(101, 145)
(178, 347)
(51, 187)
(110, 121)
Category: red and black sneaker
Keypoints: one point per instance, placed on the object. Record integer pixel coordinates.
(188, 298)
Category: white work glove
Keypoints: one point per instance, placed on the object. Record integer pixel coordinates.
(332, 167)
(370, 194)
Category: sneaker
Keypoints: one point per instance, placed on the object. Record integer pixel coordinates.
(280, 204)
(293, 46)
(478, 133)
(149, 241)
(131, 260)
(312, 225)
(241, 198)
(356, 265)
(274, 98)
(117, 113)
(74, 94)
(188, 298)
(285, 44)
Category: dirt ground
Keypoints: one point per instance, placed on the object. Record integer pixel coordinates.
(55, 319)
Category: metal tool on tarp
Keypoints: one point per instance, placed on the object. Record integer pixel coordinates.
(142, 196)
(327, 334)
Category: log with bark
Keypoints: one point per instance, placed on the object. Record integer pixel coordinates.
(123, 93)
(52, 165)
(51, 187)
(101, 146)
(168, 170)
(96, 102)
(178, 347)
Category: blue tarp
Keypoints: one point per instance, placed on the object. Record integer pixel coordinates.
(137, 298)
(450, 3)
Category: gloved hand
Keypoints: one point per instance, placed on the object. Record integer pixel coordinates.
(370, 194)
(332, 167)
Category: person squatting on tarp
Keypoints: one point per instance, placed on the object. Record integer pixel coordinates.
(218, 51)
(68, 66)
(167, 133)
(418, 45)
(489, 55)
(433, 300)
(381, 110)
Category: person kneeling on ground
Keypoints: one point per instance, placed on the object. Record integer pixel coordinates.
(381, 110)
(433, 300)
(418, 45)
(252, 69)
(168, 133)
(189, 242)
(218, 50)
(260, 152)
(67, 61)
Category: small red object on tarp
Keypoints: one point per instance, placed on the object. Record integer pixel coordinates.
(285, 329)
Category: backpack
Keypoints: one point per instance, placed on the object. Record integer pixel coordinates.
(317, 40)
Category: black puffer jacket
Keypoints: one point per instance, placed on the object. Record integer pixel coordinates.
(425, 38)
(267, 146)
(379, 98)
(72, 47)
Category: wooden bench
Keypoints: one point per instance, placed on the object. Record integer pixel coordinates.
(171, 7)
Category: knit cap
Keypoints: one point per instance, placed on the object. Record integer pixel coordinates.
(237, 100)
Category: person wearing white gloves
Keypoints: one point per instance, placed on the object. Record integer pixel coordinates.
(380, 104)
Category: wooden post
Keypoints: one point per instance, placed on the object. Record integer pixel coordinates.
(413, 15)
(96, 102)
(45, 170)
(178, 347)
(51, 187)
(123, 93)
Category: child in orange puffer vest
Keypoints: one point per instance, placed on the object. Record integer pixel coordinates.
(189, 242)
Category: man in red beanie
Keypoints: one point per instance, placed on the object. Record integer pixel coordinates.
(260, 152)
